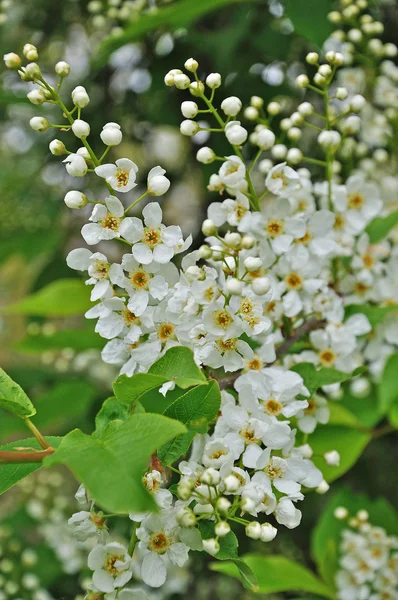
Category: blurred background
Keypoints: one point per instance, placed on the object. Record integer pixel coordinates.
(120, 51)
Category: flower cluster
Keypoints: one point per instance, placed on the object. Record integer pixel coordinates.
(368, 560)
(285, 252)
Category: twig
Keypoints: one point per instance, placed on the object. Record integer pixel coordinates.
(7, 457)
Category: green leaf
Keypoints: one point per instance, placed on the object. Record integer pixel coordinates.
(248, 578)
(340, 415)
(315, 379)
(111, 468)
(364, 408)
(11, 474)
(228, 543)
(309, 18)
(196, 408)
(380, 227)
(77, 339)
(172, 17)
(326, 536)
(375, 314)
(13, 398)
(393, 415)
(388, 387)
(130, 389)
(277, 574)
(349, 442)
(59, 298)
(112, 410)
(178, 365)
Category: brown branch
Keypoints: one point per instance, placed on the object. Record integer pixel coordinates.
(305, 329)
(24, 457)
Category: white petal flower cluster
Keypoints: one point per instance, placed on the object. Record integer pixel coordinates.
(368, 560)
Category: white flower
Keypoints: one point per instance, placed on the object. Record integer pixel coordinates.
(75, 165)
(120, 176)
(158, 184)
(282, 179)
(159, 541)
(154, 241)
(235, 133)
(107, 223)
(85, 524)
(232, 171)
(317, 411)
(359, 200)
(97, 265)
(111, 565)
(111, 134)
(265, 139)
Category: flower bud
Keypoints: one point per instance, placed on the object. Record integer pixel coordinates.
(341, 513)
(265, 139)
(235, 133)
(32, 70)
(205, 155)
(186, 517)
(182, 81)
(294, 156)
(191, 65)
(39, 123)
(210, 477)
(80, 98)
(357, 103)
(189, 127)
(184, 489)
(196, 88)
(319, 79)
(213, 80)
(231, 483)
(250, 113)
(231, 106)
(36, 97)
(261, 286)
(223, 504)
(205, 252)
(62, 68)
(341, 93)
(208, 227)
(111, 134)
(30, 52)
(169, 77)
(302, 81)
(279, 151)
(81, 128)
(265, 165)
(268, 532)
(75, 199)
(312, 58)
(247, 504)
(323, 487)
(12, 60)
(330, 140)
(325, 70)
(234, 286)
(75, 165)
(253, 530)
(189, 109)
(256, 101)
(252, 264)
(222, 528)
(248, 242)
(211, 546)
(57, 148)
(274, 108)
(332, 458)
(233, 239)
(305, 109)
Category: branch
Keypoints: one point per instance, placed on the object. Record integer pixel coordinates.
(305, 329)
(24, 457)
